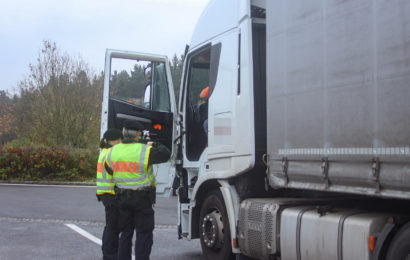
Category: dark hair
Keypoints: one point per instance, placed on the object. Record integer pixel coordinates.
(103, 143)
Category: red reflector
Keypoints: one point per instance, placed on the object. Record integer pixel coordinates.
(235, 243)
(371, 243)
(158, 127)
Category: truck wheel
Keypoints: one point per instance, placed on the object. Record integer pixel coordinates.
(214, 228)
(400, 246)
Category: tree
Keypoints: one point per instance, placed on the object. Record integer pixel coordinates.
(7, 122)
(60, 101)
(176, 72)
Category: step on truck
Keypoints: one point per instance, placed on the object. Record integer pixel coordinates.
(291, 138)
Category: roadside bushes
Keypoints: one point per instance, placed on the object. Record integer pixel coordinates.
(42, 163)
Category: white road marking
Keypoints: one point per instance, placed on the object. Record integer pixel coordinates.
(78, 222)
(88, 235)
(84, 233)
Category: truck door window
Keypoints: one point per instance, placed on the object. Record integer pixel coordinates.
(160, 95)
(131, 81)
(197, 103)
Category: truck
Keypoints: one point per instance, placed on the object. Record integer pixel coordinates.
(291, 137)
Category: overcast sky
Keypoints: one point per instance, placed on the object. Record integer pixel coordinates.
(88, 27)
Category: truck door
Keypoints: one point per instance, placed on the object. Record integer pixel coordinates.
(139, 87)
(218, 108)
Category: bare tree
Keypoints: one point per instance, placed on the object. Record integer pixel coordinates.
(7, 123)
(60, 100)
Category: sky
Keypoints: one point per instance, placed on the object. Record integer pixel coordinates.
(86, 28)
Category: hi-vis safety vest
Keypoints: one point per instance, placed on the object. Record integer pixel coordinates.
(129, 162)
(104, 180)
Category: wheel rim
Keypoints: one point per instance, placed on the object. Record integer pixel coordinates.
(212, 230)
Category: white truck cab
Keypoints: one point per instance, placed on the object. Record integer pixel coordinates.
(216, 133)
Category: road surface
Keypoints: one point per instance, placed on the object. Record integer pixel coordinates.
(66, 222)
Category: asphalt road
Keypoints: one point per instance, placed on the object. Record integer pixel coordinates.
(66, 222)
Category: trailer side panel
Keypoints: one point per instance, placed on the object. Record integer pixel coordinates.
(338, 96)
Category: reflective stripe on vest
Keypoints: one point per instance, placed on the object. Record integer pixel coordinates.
(104, 181)
(130, 165)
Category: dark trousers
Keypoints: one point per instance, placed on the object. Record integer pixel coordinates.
(136, 212)
(111, 229)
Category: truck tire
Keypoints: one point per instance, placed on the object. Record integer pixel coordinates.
(400, 246)
(214, 229)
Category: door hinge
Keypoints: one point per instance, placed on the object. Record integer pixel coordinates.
(376, 173)
(325, 171)
(285, 165)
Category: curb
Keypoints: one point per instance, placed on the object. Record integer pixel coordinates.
(51, 183)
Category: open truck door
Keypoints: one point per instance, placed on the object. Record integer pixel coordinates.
(138, 86)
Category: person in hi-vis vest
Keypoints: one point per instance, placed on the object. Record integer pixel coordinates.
(106, 194)
(130, 163)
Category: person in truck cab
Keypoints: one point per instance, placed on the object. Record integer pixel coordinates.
(203, 109)
(130, 163)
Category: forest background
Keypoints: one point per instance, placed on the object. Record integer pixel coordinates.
(50, 128)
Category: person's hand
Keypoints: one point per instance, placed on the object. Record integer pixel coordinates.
(150, 143)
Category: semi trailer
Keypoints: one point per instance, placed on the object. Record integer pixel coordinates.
(291, 138)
